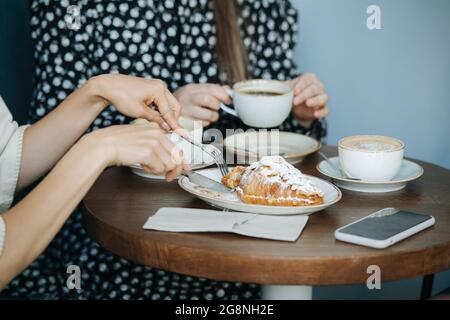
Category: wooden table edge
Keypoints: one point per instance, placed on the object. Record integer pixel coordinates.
(224, 268)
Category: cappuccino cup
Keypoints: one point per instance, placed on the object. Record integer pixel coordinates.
(260, 103)
(371, 158)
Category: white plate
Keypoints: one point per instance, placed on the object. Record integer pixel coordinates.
(137, 170)
(293, 147)
(409, 171)
(233, 202)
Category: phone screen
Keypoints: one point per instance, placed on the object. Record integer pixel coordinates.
(385, 224)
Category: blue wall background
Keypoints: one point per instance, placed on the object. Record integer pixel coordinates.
(394, 81)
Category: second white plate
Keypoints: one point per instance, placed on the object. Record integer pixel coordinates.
(232, 201)
(249, 146)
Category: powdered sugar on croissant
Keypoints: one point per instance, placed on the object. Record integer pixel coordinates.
(277, 170)
(273, 181)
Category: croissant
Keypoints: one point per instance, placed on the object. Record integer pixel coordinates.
(273, 181)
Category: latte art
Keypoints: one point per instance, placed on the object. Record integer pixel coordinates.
(372, 144)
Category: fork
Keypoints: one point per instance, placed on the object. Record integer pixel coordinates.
(215, 153)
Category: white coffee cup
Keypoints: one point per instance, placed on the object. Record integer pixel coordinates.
(261, 103)
(371, 158)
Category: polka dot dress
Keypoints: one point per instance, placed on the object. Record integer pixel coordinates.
(166, 39)
(106, 276)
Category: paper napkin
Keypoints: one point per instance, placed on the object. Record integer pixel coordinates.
(283, 228)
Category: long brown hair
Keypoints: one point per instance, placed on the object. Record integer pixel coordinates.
(230, 51)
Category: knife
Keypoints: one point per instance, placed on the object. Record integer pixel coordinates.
(205, 182)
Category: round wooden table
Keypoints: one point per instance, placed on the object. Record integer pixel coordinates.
(119, 203)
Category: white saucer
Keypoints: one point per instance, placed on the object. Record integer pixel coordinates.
(233, 202)
(409, 171)
(249, 146)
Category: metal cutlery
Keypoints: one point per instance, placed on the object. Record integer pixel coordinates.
(205, 182)
(214, 152)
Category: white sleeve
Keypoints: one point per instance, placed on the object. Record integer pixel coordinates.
(2, 234)
(11, 138)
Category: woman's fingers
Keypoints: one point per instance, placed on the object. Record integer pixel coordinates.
(203, 114)
(174, 104)
(219, 92)
(154, 125)
(162, 155)
(309, 114)
(164, 108)
(202, 101)
(206, 100)
(304, 82)
(310, 98)
(176, 108)
(152, 115)
(173, 162)
(153, 165)
(159, 160)
(318, 101)
(172, 175)
(172, 156)
(150, 169)
(321, 113)
(309, 92)
(177, 157)
(176, 154)
(134, 97)
(167, 160)
(143, 144)
(305, 113)
(180, 164)
(215, 90)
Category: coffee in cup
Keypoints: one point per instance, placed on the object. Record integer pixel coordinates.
(371, 158)
(261, 103)
(264, 93)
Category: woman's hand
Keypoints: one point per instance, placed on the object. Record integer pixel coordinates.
(143, 144)
(34, 221)
(134, 98)
(310, 99)
(202, 101)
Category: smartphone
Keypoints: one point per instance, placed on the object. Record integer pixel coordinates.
(384, 228)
